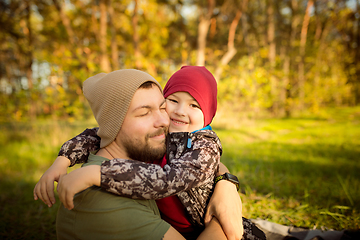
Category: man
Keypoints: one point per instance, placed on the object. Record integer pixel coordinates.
(130, 110)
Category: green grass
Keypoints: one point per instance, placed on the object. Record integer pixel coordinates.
(26, 151)
(302, 172)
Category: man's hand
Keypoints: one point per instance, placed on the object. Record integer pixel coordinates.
(77, 181)
(225, 204)
(44, 189)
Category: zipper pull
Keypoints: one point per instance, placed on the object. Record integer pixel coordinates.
(188, 143)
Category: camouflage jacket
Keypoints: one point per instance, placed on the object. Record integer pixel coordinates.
(192, 161)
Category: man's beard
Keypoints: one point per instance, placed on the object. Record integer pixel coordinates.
(143, 151)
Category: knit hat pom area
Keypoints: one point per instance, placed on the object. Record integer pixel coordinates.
(110, 95)
(200, 84)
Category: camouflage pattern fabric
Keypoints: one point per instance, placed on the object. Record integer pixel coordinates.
(78, 148)
(193, 160)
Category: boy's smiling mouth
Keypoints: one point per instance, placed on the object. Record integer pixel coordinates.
(178, 122)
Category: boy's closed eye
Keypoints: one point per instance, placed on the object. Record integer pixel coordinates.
(193, 105)
(172, 100)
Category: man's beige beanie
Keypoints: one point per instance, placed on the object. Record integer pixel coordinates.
(109, 96)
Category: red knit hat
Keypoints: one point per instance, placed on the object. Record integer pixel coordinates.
(200, 84)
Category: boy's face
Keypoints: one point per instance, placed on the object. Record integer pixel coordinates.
(184, 112)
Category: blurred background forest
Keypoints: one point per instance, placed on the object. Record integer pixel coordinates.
(269, 57)
(288, 75)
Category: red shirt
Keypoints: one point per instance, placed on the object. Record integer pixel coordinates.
(173, 212)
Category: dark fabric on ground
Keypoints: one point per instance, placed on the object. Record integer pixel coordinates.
(251, 231)
(274, 231)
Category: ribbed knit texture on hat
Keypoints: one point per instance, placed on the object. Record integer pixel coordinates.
(200, 84)
(109, 96)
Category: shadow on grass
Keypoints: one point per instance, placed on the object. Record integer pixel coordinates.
(20, 216)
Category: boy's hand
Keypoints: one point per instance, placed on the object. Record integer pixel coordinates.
(225, 204)
(77, 181)
(44, 189)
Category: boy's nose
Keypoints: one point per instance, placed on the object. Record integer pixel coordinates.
(180, 111)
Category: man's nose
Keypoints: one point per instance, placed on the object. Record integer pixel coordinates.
(162, 119)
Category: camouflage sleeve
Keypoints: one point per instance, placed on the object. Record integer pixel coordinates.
(78, 148)
(138, 180)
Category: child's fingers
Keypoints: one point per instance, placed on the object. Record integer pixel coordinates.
(50, 192)
(62, 193)
(38, 192)
(70, 202)
(66, 192)
(66, 201)
(34, 192)
(68, 198)
(44, 195)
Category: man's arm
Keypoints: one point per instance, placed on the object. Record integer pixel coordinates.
(212, 232)
(225, 204)
(222, 169)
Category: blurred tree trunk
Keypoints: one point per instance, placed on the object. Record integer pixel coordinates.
(320, 36)
(348, 25)
(94, 22)
(70, 32)
(231, 48)
(203, 28)
(244, 31)
(303, 36)
(66, 22)
(318, 30)
(104, 59)
(29, 57)
(73, 46)
(272, 55)
(284, 108)
(28, 33)
(134, 21)
(357, 56)
(114, 46)
(287, 84)
(271, 32)
(282, 43)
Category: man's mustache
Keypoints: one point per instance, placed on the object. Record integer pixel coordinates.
(159, 132)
